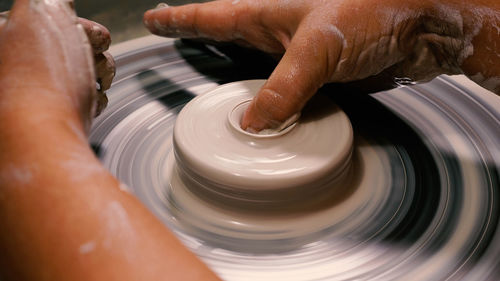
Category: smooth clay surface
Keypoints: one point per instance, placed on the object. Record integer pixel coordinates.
(216, 157)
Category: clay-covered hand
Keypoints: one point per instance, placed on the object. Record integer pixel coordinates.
(99, 39)
(326, 41)
(105, 69)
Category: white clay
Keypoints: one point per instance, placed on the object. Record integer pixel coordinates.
(304, 157)
(364, 190)
(87, 247)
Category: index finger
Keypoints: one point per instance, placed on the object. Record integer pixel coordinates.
(217, 20)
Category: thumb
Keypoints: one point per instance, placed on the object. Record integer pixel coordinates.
(303, 69)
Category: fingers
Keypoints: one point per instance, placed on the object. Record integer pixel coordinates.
(101, 103)
(105, 72)
(303, 69)
(217, 20)
(100, 39)
(99, 36)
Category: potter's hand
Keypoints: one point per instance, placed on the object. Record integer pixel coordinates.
(65, 197)
(99, 39)
(328, 41)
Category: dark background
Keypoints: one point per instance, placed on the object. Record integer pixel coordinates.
(122, 17)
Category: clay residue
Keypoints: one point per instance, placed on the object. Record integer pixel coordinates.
(20, 174)
(58, 39)
(87, 247)
(118, 228)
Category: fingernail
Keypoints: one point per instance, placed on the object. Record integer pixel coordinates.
(161, 6)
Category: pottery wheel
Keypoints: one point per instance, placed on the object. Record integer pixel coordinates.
(423, 206)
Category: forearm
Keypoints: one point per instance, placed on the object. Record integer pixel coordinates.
(64, 217)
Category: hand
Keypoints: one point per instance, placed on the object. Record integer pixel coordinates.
(100, 40)
(104, 66)
(325, 41)
(65, 197)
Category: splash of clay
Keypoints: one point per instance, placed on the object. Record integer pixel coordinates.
(87, 247)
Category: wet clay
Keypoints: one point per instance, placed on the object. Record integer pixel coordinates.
(217, 158)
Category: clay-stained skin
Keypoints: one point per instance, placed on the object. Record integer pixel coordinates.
(100, 39)
(99, 36)
(21, 174)
(53, 61)
(336, 41)
(118, 228)
(105, 72)
(419, 44)
(485, 71)
(87, 247)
